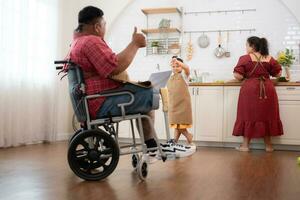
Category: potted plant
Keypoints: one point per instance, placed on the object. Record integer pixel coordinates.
(155, 45)
(286, 59)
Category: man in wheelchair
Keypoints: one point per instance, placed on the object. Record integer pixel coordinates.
(99, 63)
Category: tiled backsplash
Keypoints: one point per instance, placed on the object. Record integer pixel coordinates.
(271, 20)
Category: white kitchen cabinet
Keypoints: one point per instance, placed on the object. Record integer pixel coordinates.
(231, 95)
(192, 91)
(208, 113)
(124, 129)
(159, 123)
(136, 133)
(289, 107)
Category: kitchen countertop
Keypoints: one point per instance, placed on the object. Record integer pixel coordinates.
(239, 84)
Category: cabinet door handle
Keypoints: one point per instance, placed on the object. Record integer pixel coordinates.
(290, 88)
(197, 91)
(193, 91)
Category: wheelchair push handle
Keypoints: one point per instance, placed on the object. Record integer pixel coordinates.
(63, 62)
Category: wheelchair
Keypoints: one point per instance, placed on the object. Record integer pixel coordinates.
(94, 150)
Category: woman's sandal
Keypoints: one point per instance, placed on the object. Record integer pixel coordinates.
(242, 149)
(269, 149)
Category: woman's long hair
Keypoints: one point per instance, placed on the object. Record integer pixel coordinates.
(259, 45)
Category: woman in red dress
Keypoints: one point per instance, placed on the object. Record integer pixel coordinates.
(258, 110)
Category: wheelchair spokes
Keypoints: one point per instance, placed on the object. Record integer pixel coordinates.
(93, 154)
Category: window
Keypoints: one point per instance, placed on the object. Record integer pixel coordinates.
(28, 41)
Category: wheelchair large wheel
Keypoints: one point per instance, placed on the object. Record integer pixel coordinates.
(93, 155)
(74, 135)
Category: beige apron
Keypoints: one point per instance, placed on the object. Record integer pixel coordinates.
(180, 108)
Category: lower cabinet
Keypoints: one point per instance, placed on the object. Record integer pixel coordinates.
(289, 108)
(207, 113)
(214, 113)
(231, 95)
(124, 129)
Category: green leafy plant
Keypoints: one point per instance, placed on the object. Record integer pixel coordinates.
(155, 44)
(286, 58)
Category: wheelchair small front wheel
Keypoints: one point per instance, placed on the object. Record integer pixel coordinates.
(135, 159)
(93, 155)
(142, 169)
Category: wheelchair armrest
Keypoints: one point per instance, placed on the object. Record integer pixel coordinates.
(113, 92)
(116, 92)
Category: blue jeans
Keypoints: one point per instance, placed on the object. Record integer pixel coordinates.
(143, 99)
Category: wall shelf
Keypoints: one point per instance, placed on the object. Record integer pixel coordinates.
(220, 11)
(148, 11)
(161, 30)
(165, 36)
(164, 45)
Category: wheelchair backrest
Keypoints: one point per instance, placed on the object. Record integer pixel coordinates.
(77, 91)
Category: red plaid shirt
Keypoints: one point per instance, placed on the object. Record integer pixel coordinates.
(97, 62)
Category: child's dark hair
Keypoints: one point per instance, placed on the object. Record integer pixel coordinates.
(177, 58)
(259, 45)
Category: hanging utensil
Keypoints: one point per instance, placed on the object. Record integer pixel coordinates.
(174, 48)
(203, 41)
(227, 53)
(189, 49)
(219, 51)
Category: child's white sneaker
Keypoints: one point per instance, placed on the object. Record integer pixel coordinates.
(183, 150)
(193, 146)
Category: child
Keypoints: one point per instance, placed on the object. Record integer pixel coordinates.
(180, 109)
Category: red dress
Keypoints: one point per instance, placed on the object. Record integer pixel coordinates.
(258, 110)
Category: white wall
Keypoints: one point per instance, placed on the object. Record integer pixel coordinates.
(294, 7)
(272, 20)
(69, 12)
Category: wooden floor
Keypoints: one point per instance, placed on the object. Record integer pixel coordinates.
(41, 172)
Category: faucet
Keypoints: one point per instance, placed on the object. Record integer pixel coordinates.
(158, 67)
